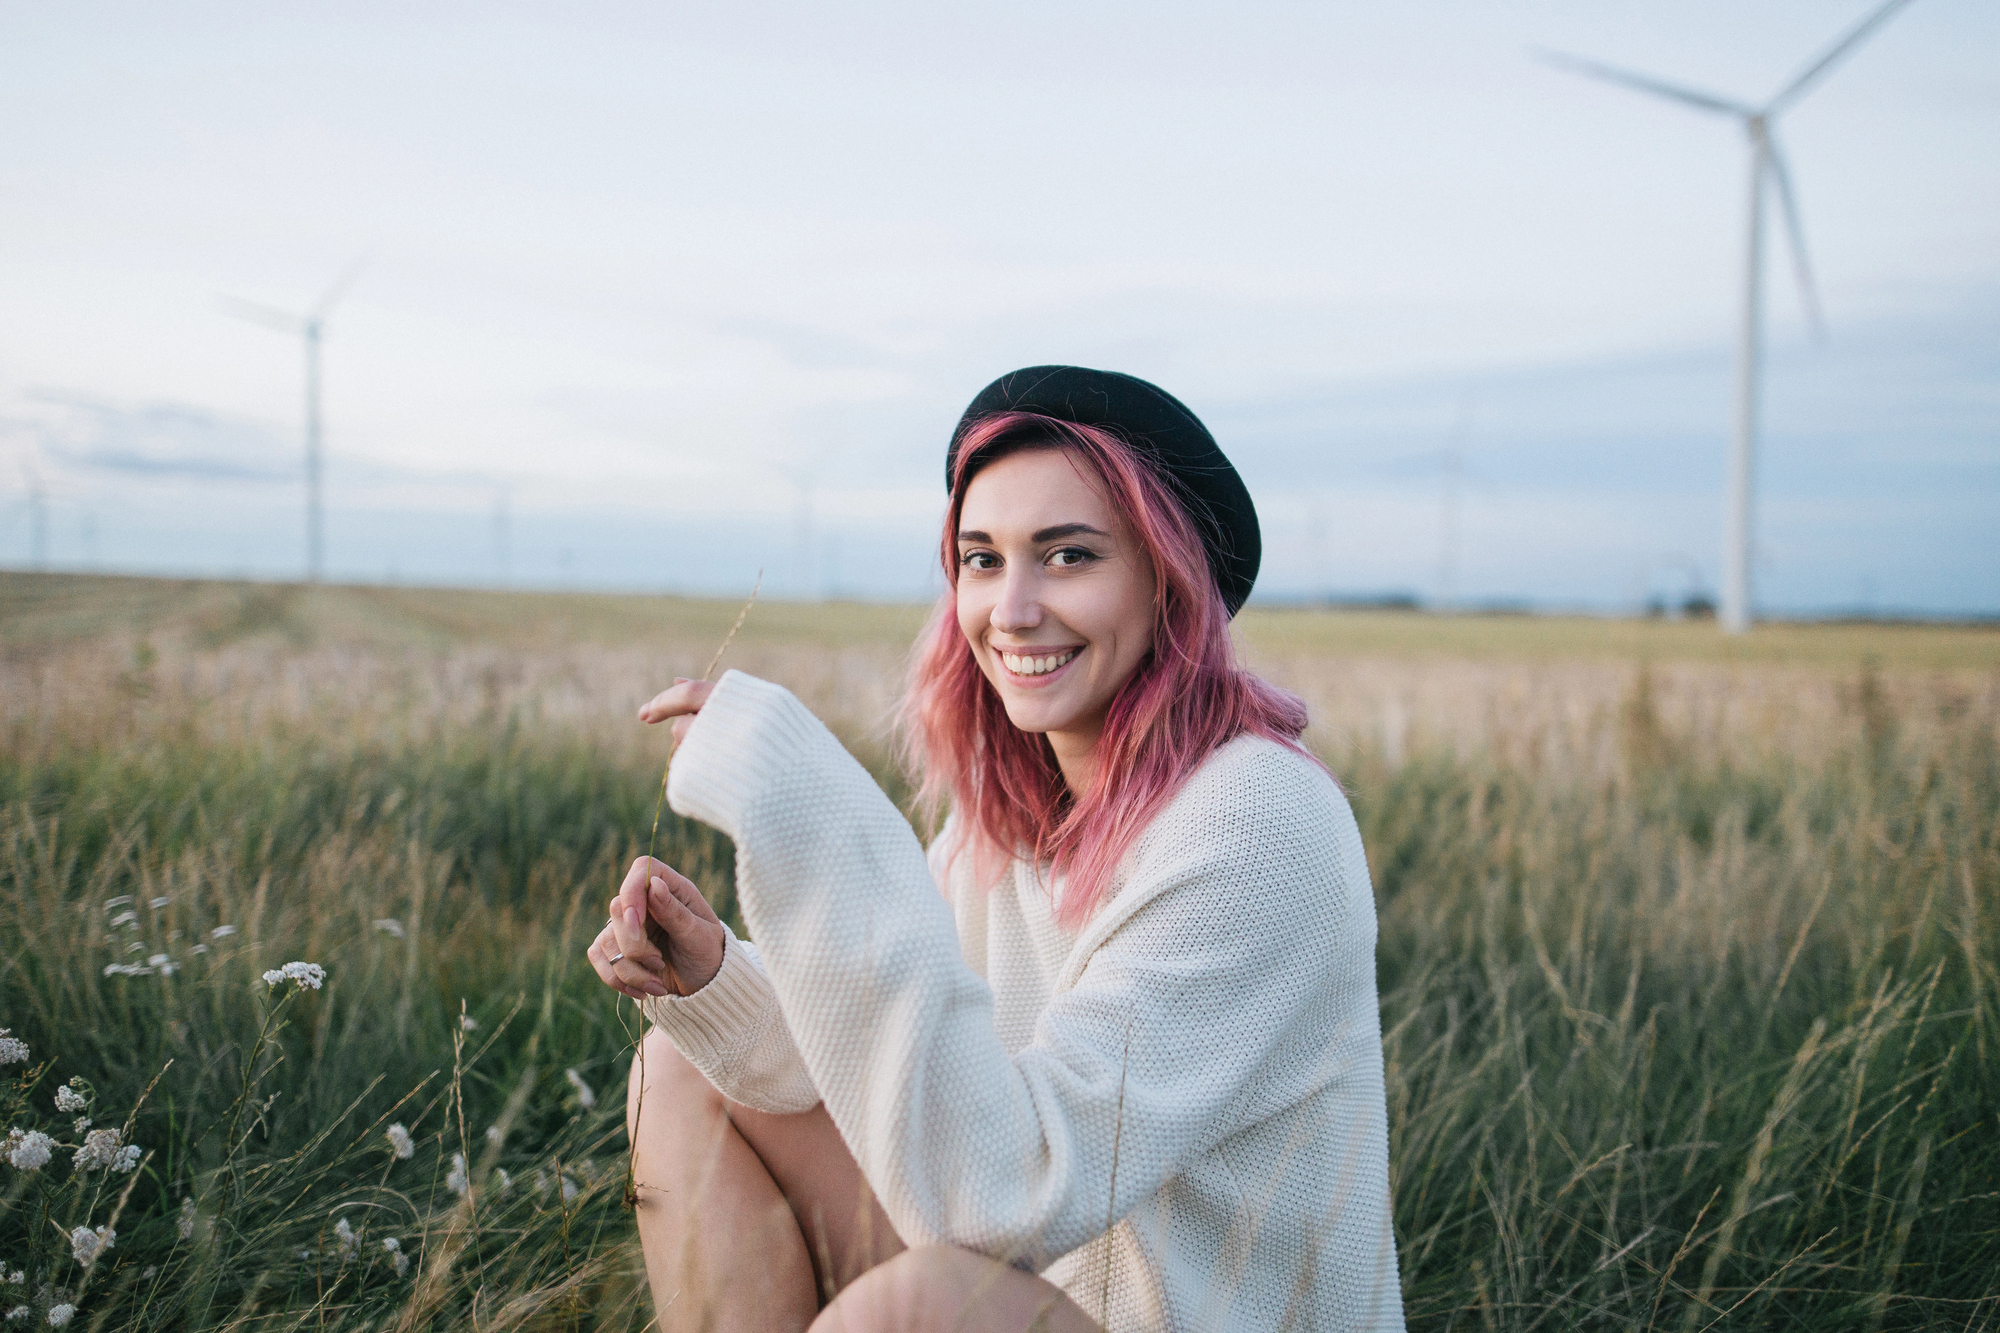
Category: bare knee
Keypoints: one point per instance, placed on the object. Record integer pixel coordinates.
(662, 1079)
(935, 1288)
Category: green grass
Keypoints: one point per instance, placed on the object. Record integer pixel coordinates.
(1680, 1037)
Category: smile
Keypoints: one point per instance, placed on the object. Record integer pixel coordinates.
(1038, 665)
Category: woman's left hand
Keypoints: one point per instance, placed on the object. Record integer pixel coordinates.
(679, 701)
(662, 939)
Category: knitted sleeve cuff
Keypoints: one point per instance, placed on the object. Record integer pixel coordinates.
(733, 1032)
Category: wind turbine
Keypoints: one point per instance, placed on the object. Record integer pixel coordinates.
(1767, 165)
(307, 327)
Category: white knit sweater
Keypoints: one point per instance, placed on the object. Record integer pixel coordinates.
(1176, 1115)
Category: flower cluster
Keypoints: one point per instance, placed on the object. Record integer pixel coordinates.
(400, 1142)
(459, 1183)
(584, 1092)
(28, 1149)
(71, 1098)
(13, 1050)
(86, 1245)
(311, 976)
(106, 1148)
(395, 1249)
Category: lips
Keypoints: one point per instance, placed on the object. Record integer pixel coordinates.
(1038, 664)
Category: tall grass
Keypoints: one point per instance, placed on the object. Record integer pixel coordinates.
(1689, 979)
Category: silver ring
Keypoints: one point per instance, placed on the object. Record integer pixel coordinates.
(616, 958)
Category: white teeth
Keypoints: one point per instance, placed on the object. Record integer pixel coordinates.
(1037, 666)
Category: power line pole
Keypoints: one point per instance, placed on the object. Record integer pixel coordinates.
(501, 534)
(38, 521)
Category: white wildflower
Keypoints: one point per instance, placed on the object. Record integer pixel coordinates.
(68, 1098)
(456, 1179)
(28, 1150)
(80, 1126)
(569, 1190)
(389, 925)
(16, 1278)
(100, 1148)
(86, 1244)
(152, 1271)
(395, 1249)
(349, 1238)
(127, 970)
(128, 1159)
(222, 932)
(495, 1135)
(584, 1093)
(162, 962)
(134, 947)
(125, 919)
(400, 1140)
(18, 1313)
(122, 900)
(185, 1223)
(157, 903)
(59, 1315)
(13, 1050)
(467, 1023)
(506, 1181)
(309, 975)
(199, 948)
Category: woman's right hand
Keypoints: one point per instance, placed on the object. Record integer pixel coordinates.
(663, 937)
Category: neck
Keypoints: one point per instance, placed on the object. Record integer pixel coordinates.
(1076, 755)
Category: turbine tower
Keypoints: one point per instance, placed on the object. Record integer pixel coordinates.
(308, 328)
(1767, 167)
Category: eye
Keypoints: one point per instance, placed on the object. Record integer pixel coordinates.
(980, 560)
(1068, 557)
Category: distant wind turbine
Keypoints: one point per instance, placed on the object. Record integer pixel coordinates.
(307, 327)
(1766, 164)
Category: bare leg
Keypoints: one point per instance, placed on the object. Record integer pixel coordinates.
(938, 1289)
(846, 1231)
(748, 1220)
(723, 1253)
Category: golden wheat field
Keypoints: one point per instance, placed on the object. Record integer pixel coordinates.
(1690, 950)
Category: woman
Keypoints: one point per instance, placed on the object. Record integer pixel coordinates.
(1109, 1056)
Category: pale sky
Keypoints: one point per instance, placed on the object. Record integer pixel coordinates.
(701, 289)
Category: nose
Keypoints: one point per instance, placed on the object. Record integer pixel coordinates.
(1019, 607)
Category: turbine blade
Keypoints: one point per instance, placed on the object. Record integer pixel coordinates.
(1795, 233)
(354, 269)
(1806, 77)
(1642, 82)
(269, 316)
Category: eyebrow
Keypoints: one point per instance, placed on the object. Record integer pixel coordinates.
(1056, 533)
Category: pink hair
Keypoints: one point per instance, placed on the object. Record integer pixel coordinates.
(1187, 697)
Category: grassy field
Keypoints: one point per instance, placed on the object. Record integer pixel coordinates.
(1690, 955)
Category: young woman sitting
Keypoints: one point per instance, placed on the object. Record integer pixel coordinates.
(1107, 1056)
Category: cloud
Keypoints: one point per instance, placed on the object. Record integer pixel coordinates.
(159, 440)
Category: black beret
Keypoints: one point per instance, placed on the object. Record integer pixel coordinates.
(1160, 426)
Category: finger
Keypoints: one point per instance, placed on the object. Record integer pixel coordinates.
(599, 955)
(628, 929)
(682, 697)
(678, 888)
(643, 869)
(679, 920)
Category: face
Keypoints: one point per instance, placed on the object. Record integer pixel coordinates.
(1055, 594)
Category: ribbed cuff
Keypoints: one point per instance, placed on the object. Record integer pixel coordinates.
(707, 1025)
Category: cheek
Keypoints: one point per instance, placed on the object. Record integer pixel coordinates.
(973, 617)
